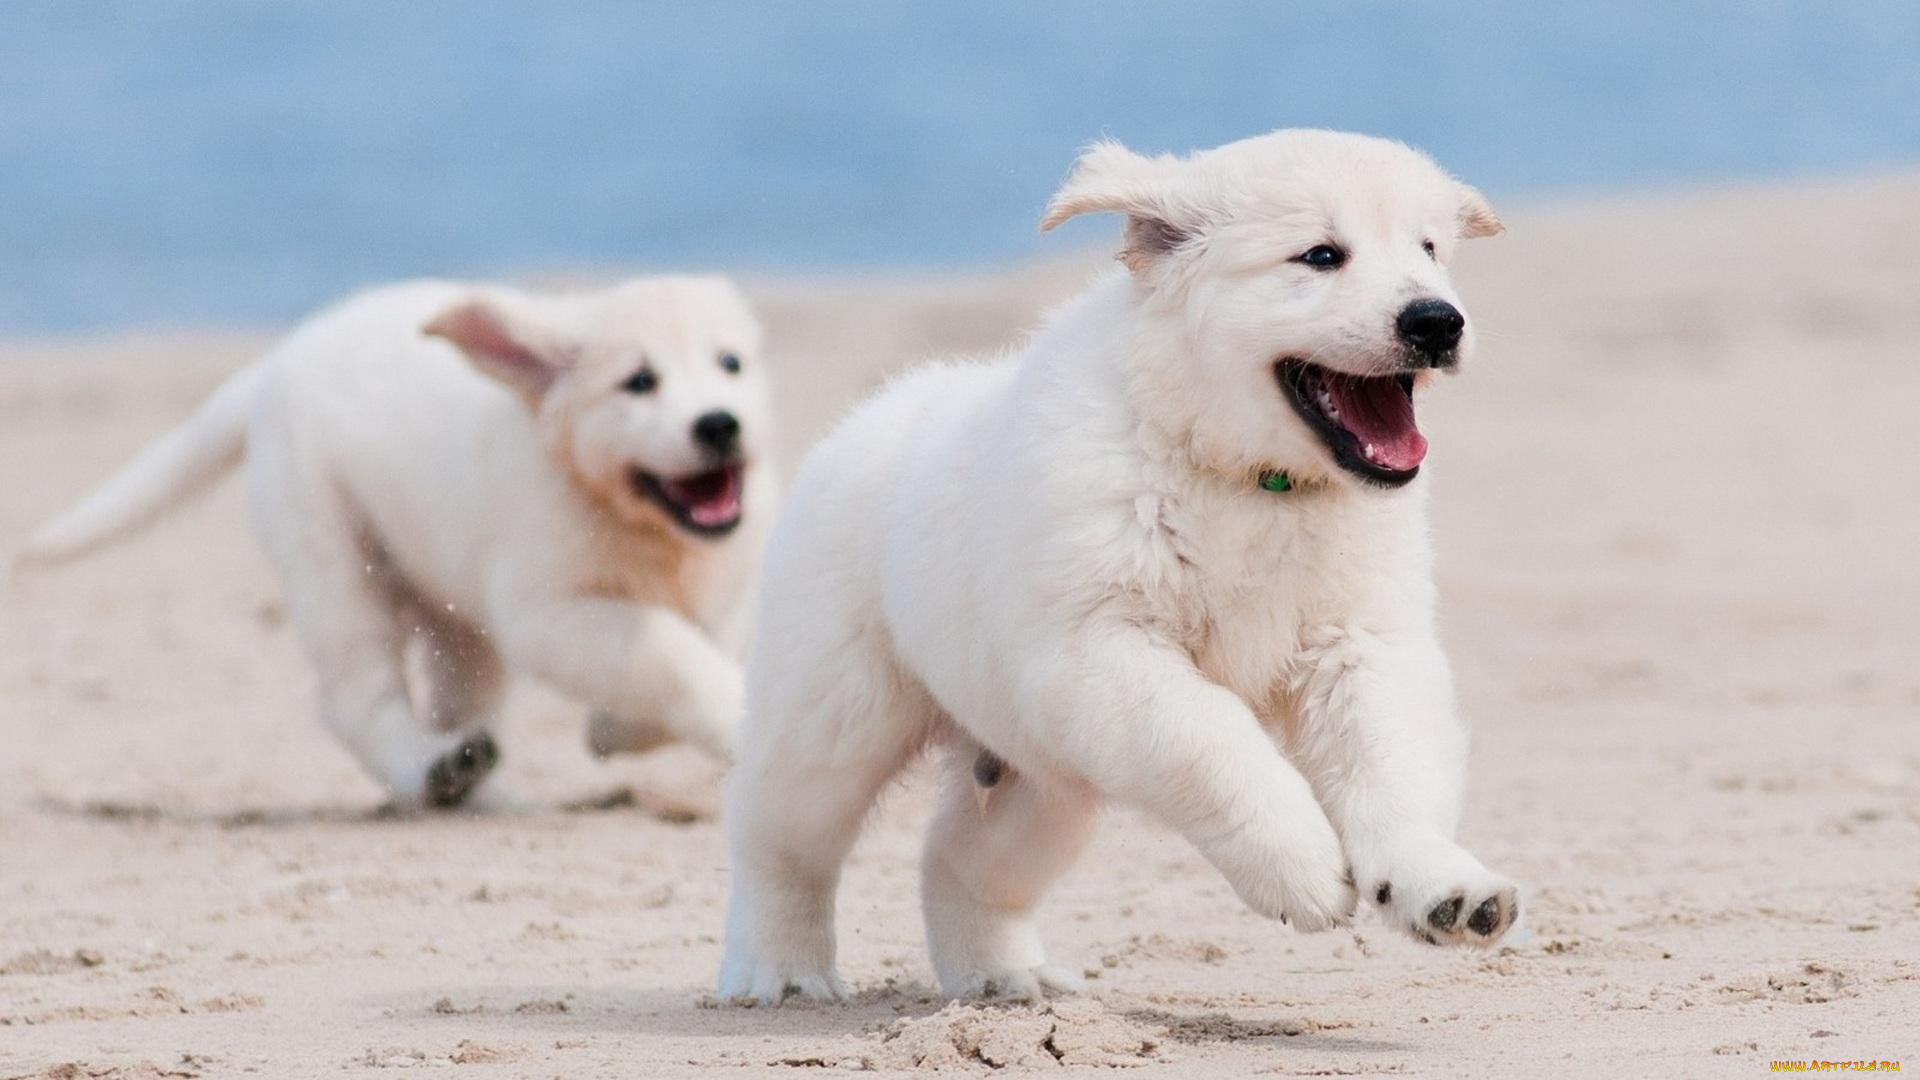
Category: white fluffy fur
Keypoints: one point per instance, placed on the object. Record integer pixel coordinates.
(483, 524)
(1064, 557)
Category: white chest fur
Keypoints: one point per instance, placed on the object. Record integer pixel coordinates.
(1253, 578)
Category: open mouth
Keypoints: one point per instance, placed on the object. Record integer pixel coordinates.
(1365, 420)
(707, 503)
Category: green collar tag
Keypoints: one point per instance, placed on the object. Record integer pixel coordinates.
(1275, 480)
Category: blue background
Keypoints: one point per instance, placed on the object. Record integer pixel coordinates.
(187, 162)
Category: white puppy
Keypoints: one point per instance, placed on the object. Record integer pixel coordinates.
(1172, 553)
(580, 509)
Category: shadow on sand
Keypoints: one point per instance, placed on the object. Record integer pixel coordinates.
(616, 800)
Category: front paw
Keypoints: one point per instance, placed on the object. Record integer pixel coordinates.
(608, 735)
(1441, 895)
(1321, 900)
(1300, 877)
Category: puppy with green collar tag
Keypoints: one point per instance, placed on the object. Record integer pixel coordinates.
(1176, 558)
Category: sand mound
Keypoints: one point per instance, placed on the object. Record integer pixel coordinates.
(968, 1036)
(1811, 984)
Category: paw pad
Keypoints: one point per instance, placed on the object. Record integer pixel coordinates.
(1485, 917)
(1446, 913)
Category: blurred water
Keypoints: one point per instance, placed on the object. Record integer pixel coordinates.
(239, 161)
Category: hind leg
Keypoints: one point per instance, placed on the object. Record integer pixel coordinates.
(990, 856)
(461, 683)
(350, 610)
(811, 765)
(461, 677)
(364, 701)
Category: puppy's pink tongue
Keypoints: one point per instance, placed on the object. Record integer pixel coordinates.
(1380, 414)
(711, 498)
(716, 511)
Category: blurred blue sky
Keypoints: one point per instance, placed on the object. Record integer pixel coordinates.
(192, 162)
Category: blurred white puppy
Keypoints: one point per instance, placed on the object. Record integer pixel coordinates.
(1172, 553)
(561, 486)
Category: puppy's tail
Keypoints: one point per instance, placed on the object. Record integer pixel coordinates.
(184, 462)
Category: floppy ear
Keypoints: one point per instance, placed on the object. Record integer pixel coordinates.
(1477, 218)
(502, 346)
(1109, 178)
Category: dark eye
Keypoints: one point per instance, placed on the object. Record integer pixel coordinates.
(1427, 246)
(1323, 257)
(730, 363)
(643, 381)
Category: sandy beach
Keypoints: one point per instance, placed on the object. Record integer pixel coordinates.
(1675, 509)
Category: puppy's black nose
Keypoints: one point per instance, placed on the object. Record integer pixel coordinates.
(718, 431)
(1432, 328)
